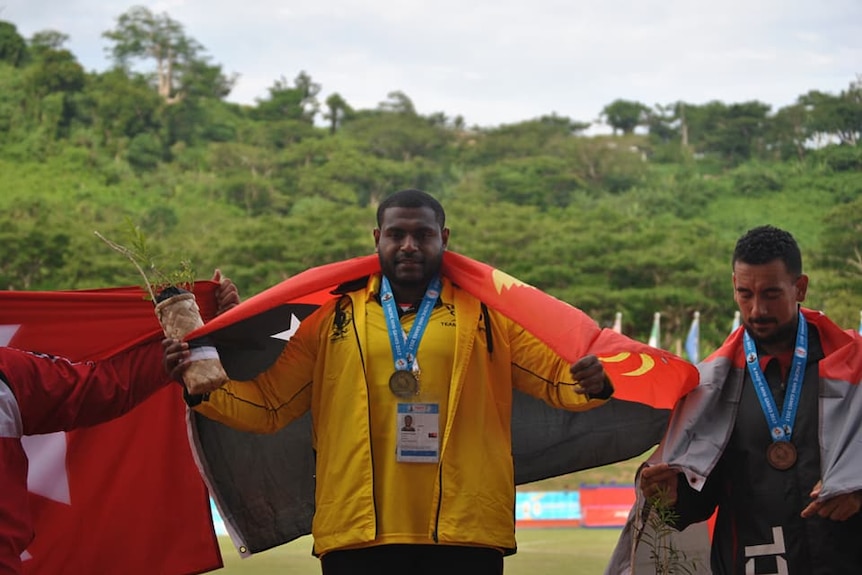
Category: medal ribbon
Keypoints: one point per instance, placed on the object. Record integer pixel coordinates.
(780, 426)
(404, 347)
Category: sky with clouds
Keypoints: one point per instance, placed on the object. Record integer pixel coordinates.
(500, 61)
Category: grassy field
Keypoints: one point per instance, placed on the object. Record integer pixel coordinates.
(545, 551)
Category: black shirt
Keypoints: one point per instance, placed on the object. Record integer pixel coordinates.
(759, 520)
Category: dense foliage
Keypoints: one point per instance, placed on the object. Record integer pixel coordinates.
(640, 221)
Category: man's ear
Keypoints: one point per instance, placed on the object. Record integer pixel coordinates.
(801, 288)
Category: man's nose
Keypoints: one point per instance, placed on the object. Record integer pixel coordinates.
(409, 244)
(759, 306)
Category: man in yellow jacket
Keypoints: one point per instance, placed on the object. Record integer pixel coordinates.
(407, 342)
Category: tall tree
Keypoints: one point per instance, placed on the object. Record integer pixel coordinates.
(290, 102)
(734, 132)
(48, 40)
(338, 110)
(13, 48)
(309, 91)
(665, 122)
(789, 132)
(625, 115)
(141, 34)
(399, 103)
(837, 116)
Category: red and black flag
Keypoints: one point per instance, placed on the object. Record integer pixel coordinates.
(264, 485)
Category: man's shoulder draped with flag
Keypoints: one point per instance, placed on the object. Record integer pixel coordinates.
(701, 423)
(695, 418)
(59, 474)
(274, 503)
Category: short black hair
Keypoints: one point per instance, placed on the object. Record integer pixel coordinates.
(412, 198)
(765, 244)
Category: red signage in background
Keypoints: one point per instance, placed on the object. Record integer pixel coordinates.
(606, 505)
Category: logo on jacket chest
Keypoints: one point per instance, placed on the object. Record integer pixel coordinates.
(341, 322)
(448, 320)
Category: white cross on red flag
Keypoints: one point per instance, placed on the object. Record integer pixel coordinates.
(123, 496)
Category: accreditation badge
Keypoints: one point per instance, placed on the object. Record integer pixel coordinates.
(418, 433)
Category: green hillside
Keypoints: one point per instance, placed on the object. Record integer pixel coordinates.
(640, 221)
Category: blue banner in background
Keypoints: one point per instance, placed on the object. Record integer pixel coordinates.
(547, 505)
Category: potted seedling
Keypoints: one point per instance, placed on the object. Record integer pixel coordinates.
(657, 534)
(175, 307)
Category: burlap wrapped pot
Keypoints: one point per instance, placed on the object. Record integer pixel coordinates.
(180, 315)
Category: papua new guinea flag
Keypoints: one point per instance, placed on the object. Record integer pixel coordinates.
(263, 485)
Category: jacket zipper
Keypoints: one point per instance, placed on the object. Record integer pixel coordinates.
(436, 534)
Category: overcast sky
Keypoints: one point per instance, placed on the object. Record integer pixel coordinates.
(500, 61)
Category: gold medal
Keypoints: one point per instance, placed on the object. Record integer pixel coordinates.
(404, 384)
(781, 455)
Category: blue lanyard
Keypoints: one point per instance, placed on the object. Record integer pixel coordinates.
(404, 348)
(780, 426)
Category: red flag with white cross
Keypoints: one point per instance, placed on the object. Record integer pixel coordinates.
(119, 497)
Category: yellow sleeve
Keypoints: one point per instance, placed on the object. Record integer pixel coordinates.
(538, 371)
(278, 395)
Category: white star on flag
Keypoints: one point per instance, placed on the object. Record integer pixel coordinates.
(288, 333)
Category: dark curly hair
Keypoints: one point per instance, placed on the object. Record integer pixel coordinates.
(765, 244)
(412, 198)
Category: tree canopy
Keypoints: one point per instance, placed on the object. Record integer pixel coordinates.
(640, 221)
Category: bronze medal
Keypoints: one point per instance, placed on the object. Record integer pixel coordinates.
(404, 384)
(781, 455)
